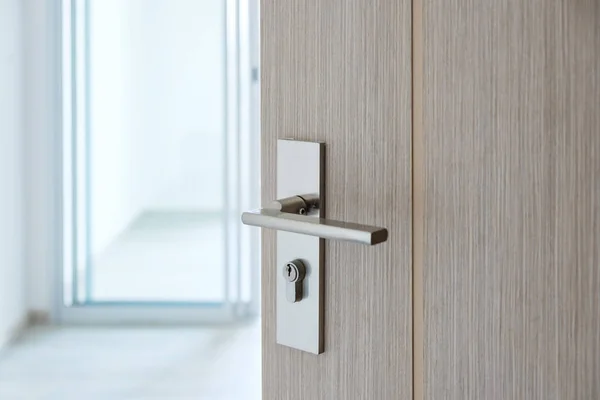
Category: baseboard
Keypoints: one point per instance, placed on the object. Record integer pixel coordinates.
(14, 333)
(34, 317)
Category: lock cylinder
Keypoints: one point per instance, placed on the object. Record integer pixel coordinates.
(294, 273)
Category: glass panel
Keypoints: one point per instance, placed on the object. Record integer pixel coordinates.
(155, 152)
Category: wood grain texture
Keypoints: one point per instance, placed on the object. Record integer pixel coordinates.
(418, 199)
(339, 71)
(512, 199)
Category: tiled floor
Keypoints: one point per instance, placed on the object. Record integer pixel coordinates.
(80, 363)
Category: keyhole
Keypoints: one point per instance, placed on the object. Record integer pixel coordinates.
(293, 272)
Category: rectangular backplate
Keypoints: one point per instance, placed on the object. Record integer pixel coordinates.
(301, 170)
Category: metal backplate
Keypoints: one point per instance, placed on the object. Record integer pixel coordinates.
(301, 170)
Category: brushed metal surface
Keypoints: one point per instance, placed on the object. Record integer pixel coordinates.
(300, 167)
(320, 227)
(512, 199)
(339, 71)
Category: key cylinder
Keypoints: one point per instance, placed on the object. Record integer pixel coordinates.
(294, 272)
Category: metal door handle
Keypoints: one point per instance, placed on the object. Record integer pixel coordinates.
(302, 226)
(297, 214)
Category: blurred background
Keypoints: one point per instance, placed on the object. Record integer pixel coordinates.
(129, 146)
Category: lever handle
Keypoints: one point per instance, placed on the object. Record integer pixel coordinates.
(293, 214)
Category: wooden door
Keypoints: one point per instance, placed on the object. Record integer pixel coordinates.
(511, 177)
(471, 130)
(339, 71)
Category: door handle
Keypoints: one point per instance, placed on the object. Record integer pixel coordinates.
(296, 214)
(299, 216)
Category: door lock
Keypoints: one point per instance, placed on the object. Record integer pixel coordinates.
(293, 273)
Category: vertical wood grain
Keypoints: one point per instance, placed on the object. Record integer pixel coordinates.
(418, 195)
(339, 71)
(512, 199)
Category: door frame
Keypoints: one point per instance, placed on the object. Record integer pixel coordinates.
(172, 312)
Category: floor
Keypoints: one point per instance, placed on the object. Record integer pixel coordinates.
(163, 256)
(84, 363)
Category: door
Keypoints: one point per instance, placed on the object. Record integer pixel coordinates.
(511, 171)
(470, 131)
(339, 72)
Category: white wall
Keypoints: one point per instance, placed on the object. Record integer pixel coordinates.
(41, 104)
(117, 188)
(12, 268)
(181, 73)
(157, 110)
